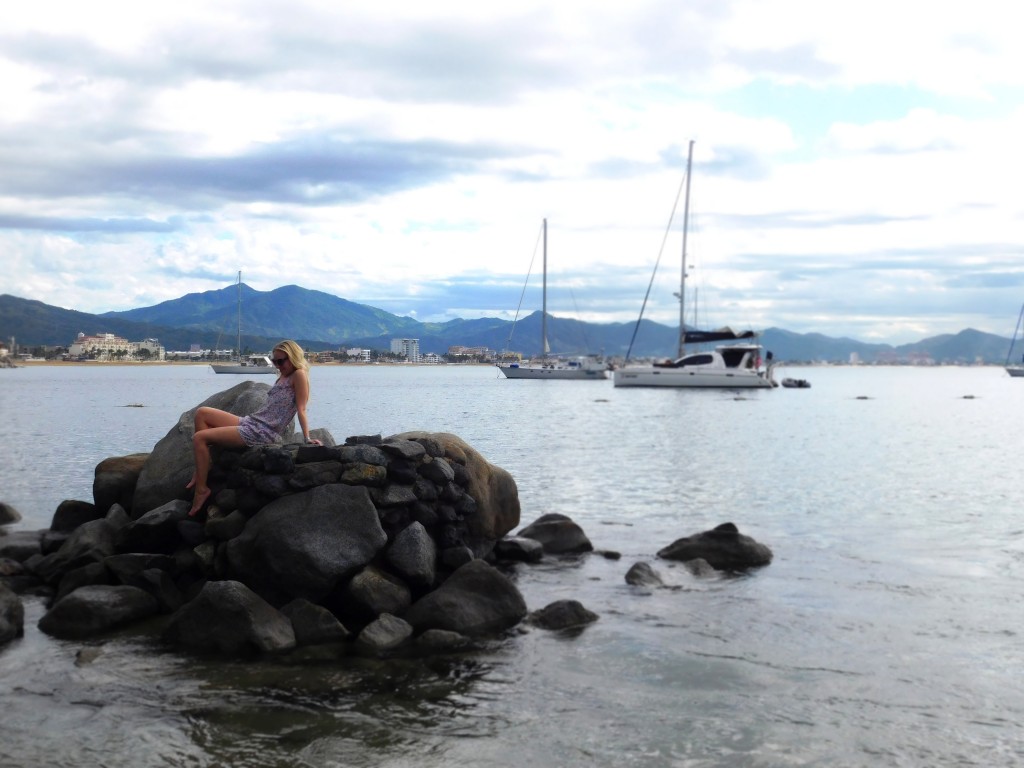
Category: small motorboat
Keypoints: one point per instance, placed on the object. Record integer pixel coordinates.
(796, 383)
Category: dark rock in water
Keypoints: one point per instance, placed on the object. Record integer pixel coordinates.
(71, 513)
(114, 481)
(699, 567)
(314, 624)
(373, 591)
(89, 543)
(8, 514)
(92, 610)
(384, 634)
(170, 465)
(519, 549)
(475, 600)
(303, 545)
(643, 575)
(228, 617)
(12, 615)
(558, 534)
(442, 641)
(21, 545)
(87, 575)
(562, 614)
(724, 548)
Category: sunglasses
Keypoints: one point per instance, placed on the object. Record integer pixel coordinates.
(278, 361)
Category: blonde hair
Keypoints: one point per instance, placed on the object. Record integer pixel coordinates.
(295, 354)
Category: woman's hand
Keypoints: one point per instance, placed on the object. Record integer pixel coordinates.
(313, 441)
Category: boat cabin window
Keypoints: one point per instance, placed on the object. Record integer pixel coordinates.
(734, 357)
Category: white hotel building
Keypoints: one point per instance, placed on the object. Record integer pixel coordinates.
(407, 348)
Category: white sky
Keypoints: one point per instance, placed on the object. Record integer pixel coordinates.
(856, 163)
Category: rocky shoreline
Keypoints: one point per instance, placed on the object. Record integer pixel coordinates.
(379, 546)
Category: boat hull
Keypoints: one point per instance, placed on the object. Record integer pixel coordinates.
(242, 369)
(554, 371)
(682, 378)
(1015, 371)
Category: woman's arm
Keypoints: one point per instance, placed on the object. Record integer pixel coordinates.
(300, 383)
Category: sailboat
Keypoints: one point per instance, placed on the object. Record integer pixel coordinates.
(729, 366)
(252, 364)
(582, 367)
(1016, 370)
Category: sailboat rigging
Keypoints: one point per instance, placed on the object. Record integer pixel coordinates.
(575, 368)
(254, 363)
(730, 366)
(1016, 370)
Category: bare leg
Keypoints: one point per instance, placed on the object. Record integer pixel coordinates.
(210, 418)
(201, 443)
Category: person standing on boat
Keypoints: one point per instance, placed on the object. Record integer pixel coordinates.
(286, 399)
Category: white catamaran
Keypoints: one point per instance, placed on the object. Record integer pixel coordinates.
(730, 366)
(582, 367)
(253, 363)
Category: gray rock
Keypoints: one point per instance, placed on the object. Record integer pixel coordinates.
(699, 567)
(442, 641)
(403, 449)
(313, 624)
(229, 618)
(86, 576)
(475, 600)
(362, 454)
(89, 543)
(413, 554)
(493, 488)
(437, 471)
(384, 634)
(519, 549)
(92, 610)
(303, 545)
(71, 513)
(643, 575)
(8, 514)
(114, 481)
(21, 545)
(310, 475)
(117, 516)
(225, 527)
(170, 465)
(558, 534)
(724, 548)
(372, 475)
(374, 592)
(562, 614)
(156, 530)
(12, 615)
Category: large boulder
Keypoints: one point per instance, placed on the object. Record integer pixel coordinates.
(305, 544)
(475, 600)
(492, 488)
(12, 615)
(723, 547)
(170, 465)
(94, 609)
(114, 481)
(154, 531)
(228, 617)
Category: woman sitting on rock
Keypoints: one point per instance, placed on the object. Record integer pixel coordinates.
(286, 398)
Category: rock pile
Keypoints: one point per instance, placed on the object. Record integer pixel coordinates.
(371, 546)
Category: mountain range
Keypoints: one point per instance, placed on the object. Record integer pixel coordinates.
(321, 321)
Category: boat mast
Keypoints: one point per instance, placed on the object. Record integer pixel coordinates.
(682, 276)
(544, 299)
(238, 341)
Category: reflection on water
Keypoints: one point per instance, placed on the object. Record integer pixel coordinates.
(884, 633)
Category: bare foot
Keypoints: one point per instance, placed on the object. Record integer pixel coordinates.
(198, 501)
(191, 483)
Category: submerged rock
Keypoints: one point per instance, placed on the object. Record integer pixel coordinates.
(558, 534)
(724, 548)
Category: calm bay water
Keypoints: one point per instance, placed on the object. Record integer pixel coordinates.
(886, 631)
